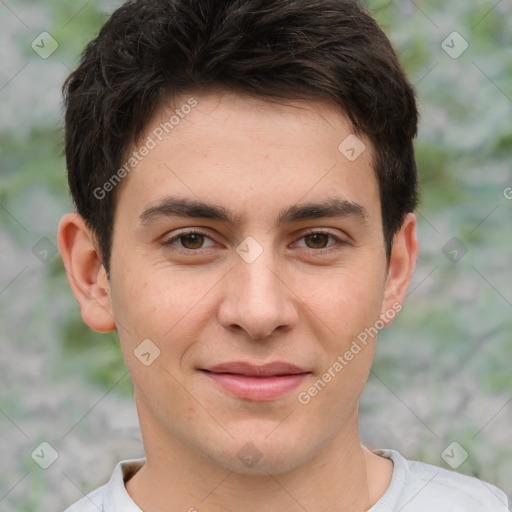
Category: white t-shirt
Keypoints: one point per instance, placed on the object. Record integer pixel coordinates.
(415, 487)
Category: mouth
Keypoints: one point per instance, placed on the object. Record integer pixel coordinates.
(258, 383)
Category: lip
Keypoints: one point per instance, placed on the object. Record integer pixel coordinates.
(253, 382)
(253, 370)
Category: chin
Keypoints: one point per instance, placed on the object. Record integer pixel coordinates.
(261, 455)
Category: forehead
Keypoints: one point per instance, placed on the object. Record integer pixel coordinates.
(251, 155)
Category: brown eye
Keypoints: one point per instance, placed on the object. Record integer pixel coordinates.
(189, 242)
(192, 240)
(317, 240)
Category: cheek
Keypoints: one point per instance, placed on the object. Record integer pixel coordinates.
(167, 306)
(345, 312)
(347, 300)
(166, 310)
(145, 299)
(344, 308)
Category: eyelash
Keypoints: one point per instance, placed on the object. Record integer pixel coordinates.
(199, 251)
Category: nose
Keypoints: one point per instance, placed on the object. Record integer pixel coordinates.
(258, 299)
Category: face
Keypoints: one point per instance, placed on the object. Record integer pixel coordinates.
(246, 235)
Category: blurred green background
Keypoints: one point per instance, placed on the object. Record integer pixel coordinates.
(442, 372)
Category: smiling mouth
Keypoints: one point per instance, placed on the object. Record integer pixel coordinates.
(257, 383)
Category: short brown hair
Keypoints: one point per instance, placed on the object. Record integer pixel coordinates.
(150, 50)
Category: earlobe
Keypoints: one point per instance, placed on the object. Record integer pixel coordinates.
(86, 273)
(401, 266)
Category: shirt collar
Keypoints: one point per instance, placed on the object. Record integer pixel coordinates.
(116, 496)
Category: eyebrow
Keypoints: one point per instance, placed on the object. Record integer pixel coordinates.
(192, 208)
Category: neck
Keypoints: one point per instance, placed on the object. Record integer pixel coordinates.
(342, 476)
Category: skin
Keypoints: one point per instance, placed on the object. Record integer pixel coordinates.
(298, 302)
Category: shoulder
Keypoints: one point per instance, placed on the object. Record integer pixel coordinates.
(111, 497)
(425, 487)
(90, 503)
(458, 491)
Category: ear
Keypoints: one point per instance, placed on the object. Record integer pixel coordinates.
(401, 266)
(86, 273)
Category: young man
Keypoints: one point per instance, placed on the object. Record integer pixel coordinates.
(245, 183)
